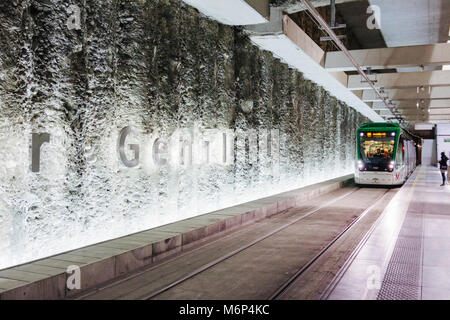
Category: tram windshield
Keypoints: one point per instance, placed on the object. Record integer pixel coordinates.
(377, 147)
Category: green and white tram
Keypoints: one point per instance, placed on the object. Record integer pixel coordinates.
(386, 154)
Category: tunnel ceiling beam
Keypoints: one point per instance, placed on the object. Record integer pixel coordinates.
(433, 121)
(402, 79)
(296, 6)
(433, 111)
(379, 106)
(443, 117)
(385, 113)
(426, 93)
(233, 12)
(391, 58)
(412, 104)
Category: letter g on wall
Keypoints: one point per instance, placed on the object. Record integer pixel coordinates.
(121, 147)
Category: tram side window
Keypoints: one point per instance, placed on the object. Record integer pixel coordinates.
(400, 152)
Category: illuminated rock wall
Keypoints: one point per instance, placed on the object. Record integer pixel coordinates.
(157, 66)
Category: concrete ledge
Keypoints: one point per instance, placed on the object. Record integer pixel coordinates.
(105, 261)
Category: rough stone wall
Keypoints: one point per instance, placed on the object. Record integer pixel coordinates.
(157, 65)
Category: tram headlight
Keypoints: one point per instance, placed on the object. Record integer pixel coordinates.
(391, 165)
(360, 165)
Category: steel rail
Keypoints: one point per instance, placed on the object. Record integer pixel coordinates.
(337, 278)
(288, 284)
(146, 269)
(234, 252)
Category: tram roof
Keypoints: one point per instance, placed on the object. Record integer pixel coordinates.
(380, 126)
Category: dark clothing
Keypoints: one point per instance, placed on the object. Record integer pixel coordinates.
(443, 162)
(443, 166)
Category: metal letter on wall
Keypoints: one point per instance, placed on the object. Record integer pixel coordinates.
(37, 140)
(160, 152)
(135, 147)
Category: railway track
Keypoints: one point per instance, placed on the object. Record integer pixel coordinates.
(285, 287)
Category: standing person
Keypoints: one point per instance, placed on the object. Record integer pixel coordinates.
(443, 167)
(448, 173)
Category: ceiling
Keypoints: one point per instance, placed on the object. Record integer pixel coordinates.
(405, 23)
(414, 22)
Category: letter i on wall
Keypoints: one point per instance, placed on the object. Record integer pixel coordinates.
(227, 136)
(37, 140)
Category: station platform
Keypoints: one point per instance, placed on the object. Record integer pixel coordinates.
(406, 254)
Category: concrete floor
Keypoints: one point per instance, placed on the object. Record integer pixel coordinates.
(408, 254)
(257, 272)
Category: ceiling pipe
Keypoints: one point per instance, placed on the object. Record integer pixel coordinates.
(339, 43)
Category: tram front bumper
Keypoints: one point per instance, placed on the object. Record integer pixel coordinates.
(377, 178)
